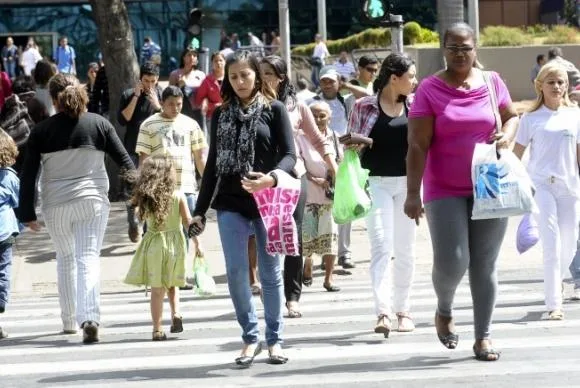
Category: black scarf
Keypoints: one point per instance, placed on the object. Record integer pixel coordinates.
(236, 137)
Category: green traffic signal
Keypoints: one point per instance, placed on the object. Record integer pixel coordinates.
(195, 44)
(375, 9)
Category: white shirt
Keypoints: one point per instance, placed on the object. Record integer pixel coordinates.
(29, 59)
(553, 137)
(305, 95)
(346, 69)
(320, 51)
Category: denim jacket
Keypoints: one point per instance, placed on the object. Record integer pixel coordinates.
(9, 190)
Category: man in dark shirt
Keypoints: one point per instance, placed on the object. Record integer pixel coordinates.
(137, 104)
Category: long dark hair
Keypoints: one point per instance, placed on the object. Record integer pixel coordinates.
(228, 93)
(394, 64)
(286, 92)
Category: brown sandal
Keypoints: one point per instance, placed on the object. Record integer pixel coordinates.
(176, 324)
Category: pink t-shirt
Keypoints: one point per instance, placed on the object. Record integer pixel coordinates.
(462, 119)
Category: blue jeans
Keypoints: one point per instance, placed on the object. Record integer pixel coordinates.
(575, 267)
(5, 271)
(235, 230)
(11, 69)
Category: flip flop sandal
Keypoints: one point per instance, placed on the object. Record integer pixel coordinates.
(404, 323)
(292, 312)
(449, 340)
(483, 354)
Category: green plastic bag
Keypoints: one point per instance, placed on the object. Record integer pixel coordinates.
(351, 200)
(204, 283)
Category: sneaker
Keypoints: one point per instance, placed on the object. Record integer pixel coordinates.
(3, 333)
(346, 262)
(576, 295)
(90, 332)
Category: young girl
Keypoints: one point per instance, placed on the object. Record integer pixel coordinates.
(319, 231)
(552, 130)
(9, 187)
(160, 257)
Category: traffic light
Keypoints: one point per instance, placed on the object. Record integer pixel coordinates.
(194, 29)
(376, 10)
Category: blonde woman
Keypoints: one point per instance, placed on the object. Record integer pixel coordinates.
(552, 131)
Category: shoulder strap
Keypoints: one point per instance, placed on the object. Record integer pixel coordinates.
(493, 98)
(337, 156)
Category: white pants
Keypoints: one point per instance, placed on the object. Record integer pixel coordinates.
(558, 227)
(77, 230)
(390, 231)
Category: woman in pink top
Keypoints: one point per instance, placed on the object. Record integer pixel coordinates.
(5, 88)
(452, 112)
(274, 71)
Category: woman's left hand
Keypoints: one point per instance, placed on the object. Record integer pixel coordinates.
(501, 141)
(257, 182)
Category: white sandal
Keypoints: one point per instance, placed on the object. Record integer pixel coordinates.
(405, 323)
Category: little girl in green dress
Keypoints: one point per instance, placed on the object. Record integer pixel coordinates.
(159, 261)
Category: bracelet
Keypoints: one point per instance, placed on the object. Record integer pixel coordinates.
(275, 177)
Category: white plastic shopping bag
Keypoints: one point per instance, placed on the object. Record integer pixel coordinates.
(276, 206)
(501, 185)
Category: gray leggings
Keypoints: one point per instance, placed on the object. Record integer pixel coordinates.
(460, 243)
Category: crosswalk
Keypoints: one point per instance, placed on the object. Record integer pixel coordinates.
(332, 345)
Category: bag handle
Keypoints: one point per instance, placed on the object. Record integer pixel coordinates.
(337, 157)
(493, 98)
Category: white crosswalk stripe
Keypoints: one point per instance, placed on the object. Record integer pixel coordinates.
(332, 345)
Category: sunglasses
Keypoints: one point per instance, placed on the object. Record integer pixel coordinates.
(460, 49)
(371, 69)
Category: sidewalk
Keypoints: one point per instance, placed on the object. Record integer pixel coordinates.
(34, 267)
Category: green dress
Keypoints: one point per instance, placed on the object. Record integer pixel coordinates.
(160, 258)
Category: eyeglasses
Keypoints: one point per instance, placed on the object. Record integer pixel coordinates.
(459, 49)
(371, 69)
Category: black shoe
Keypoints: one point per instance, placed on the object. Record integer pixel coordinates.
(90, 332)
(176, 324)
(346, 262)
(2, 309)
(187, 287)
(246, 361)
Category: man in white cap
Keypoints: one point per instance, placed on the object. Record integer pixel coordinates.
(330, 84)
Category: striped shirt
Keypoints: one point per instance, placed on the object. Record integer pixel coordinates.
(177, 138)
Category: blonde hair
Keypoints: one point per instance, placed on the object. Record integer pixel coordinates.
(153, 193)
(8, 150)
(550, 68)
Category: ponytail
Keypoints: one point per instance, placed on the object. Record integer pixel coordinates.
(72, 98)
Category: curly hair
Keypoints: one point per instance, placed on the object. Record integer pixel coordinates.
(8, 150)
(154, 187)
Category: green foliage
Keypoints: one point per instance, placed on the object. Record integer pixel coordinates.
(411, 33)
(504, 36)
(428, 36)
(562, 34)
(370, 38)
(537, 30)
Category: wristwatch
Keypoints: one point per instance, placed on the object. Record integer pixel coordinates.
(273, 175)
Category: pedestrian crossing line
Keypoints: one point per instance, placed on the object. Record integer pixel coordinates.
(222, 298)
(426, 374)
(297, 355)
(143, 325)
(310, 302)
(132, 314)
(365, 333)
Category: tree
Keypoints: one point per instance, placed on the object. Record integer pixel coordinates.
(118, 49)
(448, 13)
